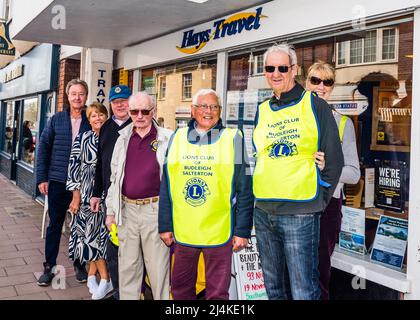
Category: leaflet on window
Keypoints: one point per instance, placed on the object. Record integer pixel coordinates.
(352, 234)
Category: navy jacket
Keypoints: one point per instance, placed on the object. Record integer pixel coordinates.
(55, 146)
(243, 208)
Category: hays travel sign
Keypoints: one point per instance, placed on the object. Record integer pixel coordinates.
(193, 41)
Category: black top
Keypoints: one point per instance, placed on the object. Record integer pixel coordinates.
(107, 138)
(329, 143)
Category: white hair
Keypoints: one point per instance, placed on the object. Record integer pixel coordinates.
(203, 92)
(285, 48)
(137, 96)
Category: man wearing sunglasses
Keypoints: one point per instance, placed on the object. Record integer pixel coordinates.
(290, 190)
(133, 199)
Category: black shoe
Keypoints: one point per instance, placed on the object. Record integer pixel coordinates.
(81, 274)
(46, 278)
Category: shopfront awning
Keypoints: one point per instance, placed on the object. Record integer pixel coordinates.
(113, 24)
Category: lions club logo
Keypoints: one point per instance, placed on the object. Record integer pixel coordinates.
(196, 191)
(282, 148)
(154, 145)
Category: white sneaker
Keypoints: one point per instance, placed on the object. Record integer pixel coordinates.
(92, 284)
(104, 288)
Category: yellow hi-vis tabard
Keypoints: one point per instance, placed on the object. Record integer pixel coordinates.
(285, 141)
(200, 186)
(341, 127)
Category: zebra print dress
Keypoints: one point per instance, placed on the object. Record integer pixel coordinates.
(88, 233)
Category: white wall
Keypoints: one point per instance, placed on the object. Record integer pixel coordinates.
(24, 11)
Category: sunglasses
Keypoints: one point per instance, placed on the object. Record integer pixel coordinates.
(282, 69)
(316, 81)
(144, 112)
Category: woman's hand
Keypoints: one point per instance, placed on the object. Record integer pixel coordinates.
(75, 202)
(320, 159)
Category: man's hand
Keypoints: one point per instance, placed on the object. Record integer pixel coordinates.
(167, 237)
(320, 159)
(94, 204)
(109, 221)
(239, 243)
(43, 188)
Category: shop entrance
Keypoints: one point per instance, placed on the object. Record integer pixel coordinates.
(11, 136)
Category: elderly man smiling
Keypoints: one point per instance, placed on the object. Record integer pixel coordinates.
(133, 198)
(290, 128)
(206, 199)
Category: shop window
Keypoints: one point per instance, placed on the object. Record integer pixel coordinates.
(187, 86)
(373, 88)
(29, 130)
(376, 46)
(388, 44)
(9, 125)
(162, 88)
(259, 64)
(174, 105)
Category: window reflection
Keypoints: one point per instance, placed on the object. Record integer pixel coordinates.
(29, 130)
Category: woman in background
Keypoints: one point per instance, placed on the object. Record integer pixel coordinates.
(320, 79)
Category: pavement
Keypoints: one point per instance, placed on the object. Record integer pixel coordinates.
(22, 252)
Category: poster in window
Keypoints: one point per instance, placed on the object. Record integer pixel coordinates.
(250, 104)
(248, 270)
(234, 98)
(390, 242)
(391, 184)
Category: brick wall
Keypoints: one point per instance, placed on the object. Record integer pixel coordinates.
(25, 180)
(405, 47)
(5, 167)
(69, 69)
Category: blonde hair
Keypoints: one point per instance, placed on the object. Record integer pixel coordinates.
(96, 107)
(326, 70)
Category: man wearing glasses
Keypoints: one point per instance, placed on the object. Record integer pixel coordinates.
(206, 199)
(133, 200)
(289, 188)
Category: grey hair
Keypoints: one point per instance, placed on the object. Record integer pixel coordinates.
(285, 48)
(136, 96)
(203, 92)
(74, 82)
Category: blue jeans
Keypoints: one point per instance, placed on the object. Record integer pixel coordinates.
(288, 249)
(58, 202)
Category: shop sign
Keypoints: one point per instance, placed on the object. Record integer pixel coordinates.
(193, 41)
(123, 77)
(6, 46)
(101, 81)
(391, 184)
(13, 74)
(350, 108)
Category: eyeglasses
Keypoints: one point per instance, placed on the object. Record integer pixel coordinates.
(316, 81)
(144, 112)
(202, 107)
(282, 69)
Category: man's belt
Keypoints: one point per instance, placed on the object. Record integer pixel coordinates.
(140, 201)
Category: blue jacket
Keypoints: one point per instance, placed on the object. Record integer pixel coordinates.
(55, 146)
